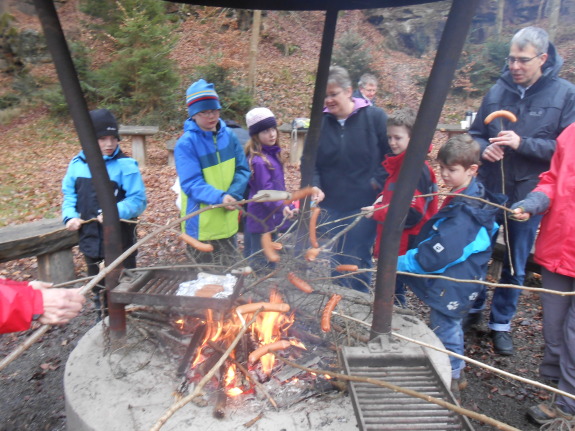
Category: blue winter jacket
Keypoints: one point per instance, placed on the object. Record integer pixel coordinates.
(547, 108)
(456, 242)
(80, 199)
(210, 165)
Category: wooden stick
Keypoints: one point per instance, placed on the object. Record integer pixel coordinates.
(460, 410)
(246, 373)
(181, 403)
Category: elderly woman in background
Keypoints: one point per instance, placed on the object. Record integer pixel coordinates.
(348, 174)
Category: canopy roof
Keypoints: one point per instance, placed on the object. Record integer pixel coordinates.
(305, 4)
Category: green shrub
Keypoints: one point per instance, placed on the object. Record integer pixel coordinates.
(140, 78)
(351, 54)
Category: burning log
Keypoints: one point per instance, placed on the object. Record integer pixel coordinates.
(219, 411)
(194, 343)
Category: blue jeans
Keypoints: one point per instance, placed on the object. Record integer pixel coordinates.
(449, 330)
(354, 248)
(504, 301)
(253, 244)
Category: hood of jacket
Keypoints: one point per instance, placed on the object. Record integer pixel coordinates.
(191, 126)
(358, 103)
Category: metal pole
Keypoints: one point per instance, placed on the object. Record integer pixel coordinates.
(80, 115)
(311, 140)
(448, 52)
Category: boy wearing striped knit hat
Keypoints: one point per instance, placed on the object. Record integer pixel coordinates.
(212, 169)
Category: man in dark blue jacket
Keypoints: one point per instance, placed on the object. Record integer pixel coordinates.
(515, 153)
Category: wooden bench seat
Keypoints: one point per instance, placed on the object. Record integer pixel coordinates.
(138, 135)
(48, 240)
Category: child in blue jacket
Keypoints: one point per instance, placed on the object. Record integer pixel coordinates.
(455, 242)
(212, 169)
(80, 201)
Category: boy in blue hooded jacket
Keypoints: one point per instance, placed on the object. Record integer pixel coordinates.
(212, 168)
(81, 204)
(456, 242)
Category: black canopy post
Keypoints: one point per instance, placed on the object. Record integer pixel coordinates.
(311, 141)
(448, 52)
(56, 42)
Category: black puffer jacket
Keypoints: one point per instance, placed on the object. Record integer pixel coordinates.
(547, 108)
(348, 162)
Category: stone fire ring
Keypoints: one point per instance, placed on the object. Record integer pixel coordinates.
(110, 393)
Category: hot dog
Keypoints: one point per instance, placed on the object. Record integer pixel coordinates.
(299, 283)
(501, 113)
(342, 268)
(268, 248)
(299, 194)
(313, 226)
(267, 306)
(326, 316)
(198, 245)
(311, 254)
(272, 347)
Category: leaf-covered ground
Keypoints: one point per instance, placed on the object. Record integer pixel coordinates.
(36, 151)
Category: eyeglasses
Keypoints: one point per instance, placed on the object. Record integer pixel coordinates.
(333, 95)
(521, 60)
(209, 112)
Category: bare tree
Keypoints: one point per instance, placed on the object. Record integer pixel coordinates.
(254, 50)
(499, 18)
(554, 12)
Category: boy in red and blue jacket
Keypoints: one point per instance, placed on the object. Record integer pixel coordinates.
(399, 127)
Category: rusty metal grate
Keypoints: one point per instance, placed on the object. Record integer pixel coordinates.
(379, 408)
(157, 287)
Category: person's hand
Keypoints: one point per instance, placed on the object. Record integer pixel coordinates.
(60, 305)
(520, 214)
(37, 284)
(505, 138)
(229, 200)
(368, 211)
(493, 153)
(289, 213)
(74, 224)
(317, 195)
(100, 218)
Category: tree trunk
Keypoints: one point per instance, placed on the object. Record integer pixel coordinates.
(499, 18)
(254, 50)
(554, 10)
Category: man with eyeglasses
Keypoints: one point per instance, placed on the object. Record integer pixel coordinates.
(514, 154)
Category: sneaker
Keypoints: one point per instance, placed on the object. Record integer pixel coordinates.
(541, 413)
(471, 320)
(502, 343)
(457, 385)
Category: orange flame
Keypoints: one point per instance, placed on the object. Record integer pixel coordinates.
(269, 328)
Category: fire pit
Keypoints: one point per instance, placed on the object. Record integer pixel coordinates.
(134, 385)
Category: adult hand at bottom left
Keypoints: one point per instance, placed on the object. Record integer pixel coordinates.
(61, 305)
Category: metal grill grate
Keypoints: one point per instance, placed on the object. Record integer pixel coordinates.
(379, 408)
(158, 288)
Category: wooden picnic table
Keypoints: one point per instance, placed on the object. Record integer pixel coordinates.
(138, 136)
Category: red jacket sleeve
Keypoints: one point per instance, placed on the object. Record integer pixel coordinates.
(19, 302)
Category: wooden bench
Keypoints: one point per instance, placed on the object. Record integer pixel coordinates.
(451, 129)
(138, 135)
(297, 138)
(170, 145)
(46, 239)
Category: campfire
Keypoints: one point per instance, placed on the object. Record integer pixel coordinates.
(198, 334)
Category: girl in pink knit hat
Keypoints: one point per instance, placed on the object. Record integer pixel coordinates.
(264, 157)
